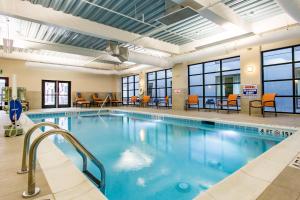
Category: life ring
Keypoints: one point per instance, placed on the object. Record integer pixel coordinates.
(141, 90)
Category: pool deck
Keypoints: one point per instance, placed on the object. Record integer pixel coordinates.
(57, 177)
(266, 177)
(13, 184)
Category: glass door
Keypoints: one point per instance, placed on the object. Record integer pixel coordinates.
(64, 94)
(56, 94)
(49, 94)
(3, 83)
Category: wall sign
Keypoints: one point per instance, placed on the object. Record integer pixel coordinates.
(250, 90)
(177, 91)
(276, 132)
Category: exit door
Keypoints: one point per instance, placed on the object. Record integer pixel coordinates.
(56, 94)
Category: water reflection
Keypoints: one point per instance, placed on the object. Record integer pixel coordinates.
(156, 160)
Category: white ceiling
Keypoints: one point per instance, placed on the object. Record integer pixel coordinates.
(72, 36)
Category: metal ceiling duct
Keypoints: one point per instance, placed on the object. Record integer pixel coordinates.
(178, 15)
(179, 10)
(291, 7)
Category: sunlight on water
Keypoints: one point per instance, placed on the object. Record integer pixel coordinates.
(159, 159)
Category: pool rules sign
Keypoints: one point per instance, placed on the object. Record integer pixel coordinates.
(250, 90)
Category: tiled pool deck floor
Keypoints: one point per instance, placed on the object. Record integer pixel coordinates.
(285, 187)
(12, 184)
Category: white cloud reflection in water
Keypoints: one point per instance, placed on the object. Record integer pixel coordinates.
(132, 160)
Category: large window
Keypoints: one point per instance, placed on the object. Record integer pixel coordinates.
(130, 87)
(214, 80)
(281, 75)
(159, 85)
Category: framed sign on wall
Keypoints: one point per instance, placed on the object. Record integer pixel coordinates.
(250, 90)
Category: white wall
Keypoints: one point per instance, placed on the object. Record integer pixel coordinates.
(31, 79)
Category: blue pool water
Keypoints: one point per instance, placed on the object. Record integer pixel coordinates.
(159, 159)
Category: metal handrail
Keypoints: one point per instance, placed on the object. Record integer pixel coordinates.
(105, 100)
(27, 137)
(32, 190)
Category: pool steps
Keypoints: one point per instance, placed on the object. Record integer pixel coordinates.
(32, 190)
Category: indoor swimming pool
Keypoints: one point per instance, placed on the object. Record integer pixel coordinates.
(152, 157)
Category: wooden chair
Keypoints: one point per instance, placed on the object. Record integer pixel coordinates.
(96, 100)
(133, 100)
(145, 101)
(192, 100)
(267, 100)
(79, 100)
(115, 101)
(232, 100)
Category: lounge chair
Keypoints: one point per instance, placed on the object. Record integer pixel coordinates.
(97, 101)
(133, 100)
(80, 101)
(267, 100)
(232, 100)
(192, 100)
(145, 100)
(115, 101)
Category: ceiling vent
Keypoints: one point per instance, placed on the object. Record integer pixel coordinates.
(178, 15)
(113, 49)
(114, 54)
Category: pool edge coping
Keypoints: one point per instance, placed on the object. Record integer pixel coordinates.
(62, 160)
(215, 191)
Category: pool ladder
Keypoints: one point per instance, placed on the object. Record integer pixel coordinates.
(32, 190)
(104, 102)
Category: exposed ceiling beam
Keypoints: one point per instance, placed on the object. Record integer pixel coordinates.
(26, 10)
(135, 57)
(217, 12)
(269, 24)
(292, 7)
(221, 14)
(50, 46)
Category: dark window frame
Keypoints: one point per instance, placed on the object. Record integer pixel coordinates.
(6, 79)
(293, 79)
(56, 95)
(219, 85)
(165, 87)
(126, 100)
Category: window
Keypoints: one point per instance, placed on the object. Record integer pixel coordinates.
(281, 74)
(130, 87)
(159, 85)
(214, 80)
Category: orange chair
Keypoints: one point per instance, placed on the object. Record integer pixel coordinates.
(268, 100)
(115, 101)
(79, 100)
(96, 99)
(145, 101)
(167, 101)
(232, 100)
(133, 100)
(192, 100)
